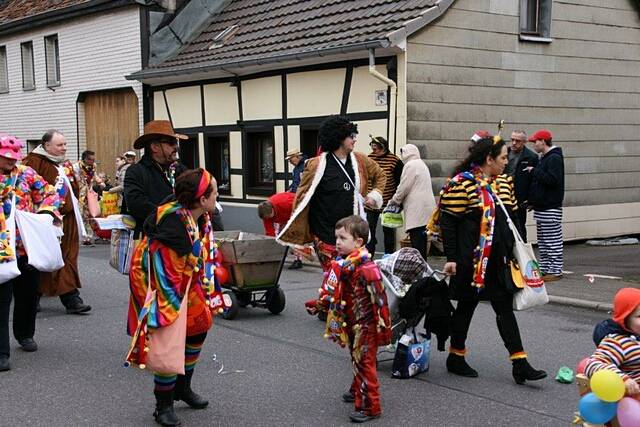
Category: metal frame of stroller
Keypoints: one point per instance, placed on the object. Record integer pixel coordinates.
(394, 295)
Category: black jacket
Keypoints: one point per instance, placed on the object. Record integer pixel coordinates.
(522, 179)
(145, 187)
(547, 183)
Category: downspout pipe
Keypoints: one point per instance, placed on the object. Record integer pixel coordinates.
(394, 97)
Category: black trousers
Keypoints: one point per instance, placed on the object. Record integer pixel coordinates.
(24, 290)
(389, 234)
(522, 221)
(505, 318)
(418, 237)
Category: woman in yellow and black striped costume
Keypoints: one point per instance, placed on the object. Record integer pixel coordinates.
(478, 245)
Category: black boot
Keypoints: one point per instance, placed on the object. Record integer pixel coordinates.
(522, 372)
(74, 304)
(183, 392)
(4, 363)
(164, 413)
(457, 365)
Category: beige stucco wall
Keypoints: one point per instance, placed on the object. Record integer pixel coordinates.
(262, 98)
(315, 93)
(469, 70)
(363, 89)
(221, 104)
(159, 107)
(185, 106)
(366, 128)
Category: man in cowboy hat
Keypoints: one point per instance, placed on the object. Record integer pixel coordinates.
(151, 180)
(297, 160)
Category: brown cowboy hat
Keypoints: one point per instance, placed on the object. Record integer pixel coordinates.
(156, 129)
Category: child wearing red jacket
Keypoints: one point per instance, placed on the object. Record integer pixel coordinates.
(358, 314)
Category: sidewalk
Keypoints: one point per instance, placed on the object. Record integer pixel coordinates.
(609, 268)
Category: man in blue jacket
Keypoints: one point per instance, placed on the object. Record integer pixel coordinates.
(297, 160)
(546, 195)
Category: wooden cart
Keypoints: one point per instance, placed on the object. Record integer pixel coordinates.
(254, 262)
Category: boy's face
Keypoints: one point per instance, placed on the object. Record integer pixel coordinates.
(346, 243)
(633, 321)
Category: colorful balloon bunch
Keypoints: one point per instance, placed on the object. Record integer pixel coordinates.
(607, 400)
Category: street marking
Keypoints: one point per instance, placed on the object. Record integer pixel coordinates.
(602, 276)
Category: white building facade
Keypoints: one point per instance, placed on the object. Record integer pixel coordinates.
(91, 102)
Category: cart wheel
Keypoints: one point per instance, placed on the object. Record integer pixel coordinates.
(231, 312)
(244, 299)
(275, 300)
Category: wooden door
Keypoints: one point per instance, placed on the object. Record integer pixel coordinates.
(111, 125)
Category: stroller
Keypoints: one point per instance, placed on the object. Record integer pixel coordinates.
(416, 294)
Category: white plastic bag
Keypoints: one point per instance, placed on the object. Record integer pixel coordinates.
(9, 270)
(40, 241)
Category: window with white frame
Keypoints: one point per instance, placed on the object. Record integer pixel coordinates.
(28, 72)
(52, 57)
(4, 73)
(535, 19)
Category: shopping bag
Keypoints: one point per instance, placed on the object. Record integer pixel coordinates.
(412, 355)
(122, 245)
(9, 269)
(534, 292)
(392, 220)
(40, 241)
(109, 204)
(167, 344)
(92, 203)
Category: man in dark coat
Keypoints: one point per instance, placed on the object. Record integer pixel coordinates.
(151, 180)
(546, 195)
(297, 160)
(521, 157)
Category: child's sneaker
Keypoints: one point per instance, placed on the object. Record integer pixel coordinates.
(348, 397)
(362, 417)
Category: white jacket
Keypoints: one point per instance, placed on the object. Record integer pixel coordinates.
(414, 193)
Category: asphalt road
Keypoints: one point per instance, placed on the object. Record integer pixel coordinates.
(278, 370)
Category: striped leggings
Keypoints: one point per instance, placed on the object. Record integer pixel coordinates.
(167, 382)
(549, 229)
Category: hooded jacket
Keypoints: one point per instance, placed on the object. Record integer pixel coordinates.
(547, 185)
(414, 192)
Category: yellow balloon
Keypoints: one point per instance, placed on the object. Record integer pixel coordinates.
(607, 385)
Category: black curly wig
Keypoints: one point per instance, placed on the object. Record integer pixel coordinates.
(333, 131)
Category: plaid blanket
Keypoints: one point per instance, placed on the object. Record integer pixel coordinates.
(403, 267)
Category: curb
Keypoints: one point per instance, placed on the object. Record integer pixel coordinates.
(553, 299)
(580, 303)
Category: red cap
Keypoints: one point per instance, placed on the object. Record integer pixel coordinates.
(541, 134)
(624, 303)
(480, 134)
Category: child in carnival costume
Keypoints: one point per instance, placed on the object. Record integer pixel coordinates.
(358, 315)
(32, 194)
(178, 249)
(619, 350)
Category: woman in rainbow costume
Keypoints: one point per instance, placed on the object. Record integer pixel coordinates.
(178, 253)
(479, 245)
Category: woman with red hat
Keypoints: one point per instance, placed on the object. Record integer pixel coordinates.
(23, 189)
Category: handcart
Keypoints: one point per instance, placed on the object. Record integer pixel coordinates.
(254, 262)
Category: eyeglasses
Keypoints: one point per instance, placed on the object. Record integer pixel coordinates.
(353, 136)
(517, 140)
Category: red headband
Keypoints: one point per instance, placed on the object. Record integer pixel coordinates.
(205, 183)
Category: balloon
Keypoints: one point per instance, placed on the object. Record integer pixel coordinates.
(607, 385)
(594, 410)
(222, 274)
(582, 365)
(629, 412)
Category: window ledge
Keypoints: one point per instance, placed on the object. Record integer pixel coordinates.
(54, 85)
(537, 39)
(2, 92)
(28, 89)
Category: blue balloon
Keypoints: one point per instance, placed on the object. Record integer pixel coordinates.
(594, 410)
